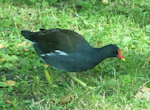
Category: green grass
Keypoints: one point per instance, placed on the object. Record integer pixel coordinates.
(125, 23)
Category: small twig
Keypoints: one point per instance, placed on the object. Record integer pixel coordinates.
(36, 103)
(144, 84)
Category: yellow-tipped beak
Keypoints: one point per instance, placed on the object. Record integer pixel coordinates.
(123, 59)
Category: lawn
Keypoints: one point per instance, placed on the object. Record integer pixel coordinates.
(125, 23)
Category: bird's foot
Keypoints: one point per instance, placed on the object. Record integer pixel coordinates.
(90, 88)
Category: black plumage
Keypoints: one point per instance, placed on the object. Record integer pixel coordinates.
(67, 50)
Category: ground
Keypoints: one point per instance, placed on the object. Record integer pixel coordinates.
(125, 23)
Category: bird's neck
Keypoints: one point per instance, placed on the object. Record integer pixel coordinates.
(99, 54)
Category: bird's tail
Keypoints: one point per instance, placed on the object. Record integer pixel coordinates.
(27, 35)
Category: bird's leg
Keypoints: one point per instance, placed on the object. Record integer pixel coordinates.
(79, 81)
(74, 78)
(47, 74)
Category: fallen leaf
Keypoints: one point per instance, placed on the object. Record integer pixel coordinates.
(21, 44)
(1, 46)
(73, 28)
(25, 49)
(2, 59)
(108, 24)
(8, 101)
(8, 83)
(64, 100)
(104, 2)
(143, 93)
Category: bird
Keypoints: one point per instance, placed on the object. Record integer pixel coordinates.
(68, 51)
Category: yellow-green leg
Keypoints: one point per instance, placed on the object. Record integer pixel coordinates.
(47, 74)
(79, 82)
(74, 78)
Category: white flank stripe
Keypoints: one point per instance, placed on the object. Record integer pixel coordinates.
(61, 52)
(50, 54)
(54, 53)
(42, 55)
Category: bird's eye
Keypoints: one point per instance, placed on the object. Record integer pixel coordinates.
(115, 51)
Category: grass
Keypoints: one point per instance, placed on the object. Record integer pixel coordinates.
(124, 23)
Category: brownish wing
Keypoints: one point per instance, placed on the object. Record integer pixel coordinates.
(55, 39)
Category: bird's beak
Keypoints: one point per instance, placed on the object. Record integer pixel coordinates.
(120, 56)
(123, 59)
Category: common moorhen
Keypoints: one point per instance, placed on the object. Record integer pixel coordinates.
(69, 51)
